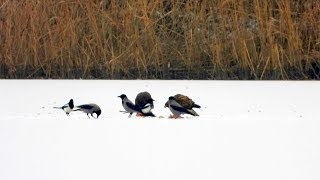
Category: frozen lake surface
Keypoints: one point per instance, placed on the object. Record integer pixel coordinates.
(246, 130)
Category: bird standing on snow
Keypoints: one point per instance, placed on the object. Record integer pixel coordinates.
(67, 108)
(144, 102)
(128, 105)
(178, 109)
(89, 109)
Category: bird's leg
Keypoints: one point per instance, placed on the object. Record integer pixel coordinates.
(130, 114)
(178, 117)
(175, 116)
(88, 115)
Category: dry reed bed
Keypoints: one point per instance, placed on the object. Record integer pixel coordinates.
(208, 39)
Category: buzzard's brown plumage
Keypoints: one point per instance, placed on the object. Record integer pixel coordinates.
(184, 101)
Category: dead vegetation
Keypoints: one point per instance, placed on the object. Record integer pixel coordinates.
(165, 39)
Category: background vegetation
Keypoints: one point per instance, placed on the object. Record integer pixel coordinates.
(165, 39)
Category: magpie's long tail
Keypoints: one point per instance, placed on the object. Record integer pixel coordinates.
(57, 107)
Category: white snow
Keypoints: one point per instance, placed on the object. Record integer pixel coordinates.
(246, 130)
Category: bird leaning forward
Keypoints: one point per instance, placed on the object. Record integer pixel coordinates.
(144, 102)
(184, 101)
(177, 109)
(89, 109)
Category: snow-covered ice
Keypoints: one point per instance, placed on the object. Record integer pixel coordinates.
(246, 130)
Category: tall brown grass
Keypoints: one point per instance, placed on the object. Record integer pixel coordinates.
(207, 39)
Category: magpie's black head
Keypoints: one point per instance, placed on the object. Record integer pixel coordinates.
(122, 96)
(171, 98)
(71, 105)
(98, 113)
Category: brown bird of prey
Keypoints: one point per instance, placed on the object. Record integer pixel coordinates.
(186, 103)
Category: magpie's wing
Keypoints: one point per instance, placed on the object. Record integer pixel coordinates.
(132, 106)
(146, 106)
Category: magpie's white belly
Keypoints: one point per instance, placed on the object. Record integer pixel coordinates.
(147, 108)
(67, 109)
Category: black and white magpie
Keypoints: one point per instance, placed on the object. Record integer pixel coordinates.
(67, 108)
(144, 98)
(144, 102)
